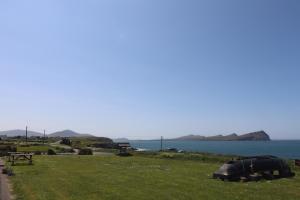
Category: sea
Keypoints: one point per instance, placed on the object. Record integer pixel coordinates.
(281, 148)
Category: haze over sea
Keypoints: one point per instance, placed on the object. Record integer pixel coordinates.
(280, 148)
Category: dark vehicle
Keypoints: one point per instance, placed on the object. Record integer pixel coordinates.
(249, 167)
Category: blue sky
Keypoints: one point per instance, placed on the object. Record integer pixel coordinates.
(142, 69)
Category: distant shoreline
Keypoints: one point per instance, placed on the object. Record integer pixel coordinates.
(280, 148)
(273, 140)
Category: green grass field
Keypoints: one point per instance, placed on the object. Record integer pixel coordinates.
(137, 177)
(41, 148)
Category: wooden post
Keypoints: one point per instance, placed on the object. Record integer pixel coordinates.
(161, 143)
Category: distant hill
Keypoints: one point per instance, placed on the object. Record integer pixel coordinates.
(68, 133)
(254, 136)
(18, 132)
(118, 140)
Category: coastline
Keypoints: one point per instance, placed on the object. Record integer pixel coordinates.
(280, 148)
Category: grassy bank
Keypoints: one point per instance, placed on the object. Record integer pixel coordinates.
(137, 177)
(35, 148)
(188, 156)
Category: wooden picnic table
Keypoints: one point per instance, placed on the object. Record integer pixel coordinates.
(19, 156)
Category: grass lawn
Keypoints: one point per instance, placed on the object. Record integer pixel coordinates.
(112, 177)
(41, 148)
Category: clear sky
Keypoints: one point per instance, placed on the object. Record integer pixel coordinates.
(142, 69)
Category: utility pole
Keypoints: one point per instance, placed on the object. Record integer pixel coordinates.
(26, 134)
(161, 143)
(44, 136)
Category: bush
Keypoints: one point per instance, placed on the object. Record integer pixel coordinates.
(64, 150)
(85, 152)
(68, 151)
(8, 171)
(24, 145)
(37, 153)
(124, 154)
(51, 152)
(167, 155)
(66, 141)
(4, 149)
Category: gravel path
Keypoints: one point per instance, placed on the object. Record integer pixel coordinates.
(4, 188)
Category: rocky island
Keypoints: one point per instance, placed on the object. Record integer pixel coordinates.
(253, 136)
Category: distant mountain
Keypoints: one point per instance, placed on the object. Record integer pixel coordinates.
(118, 140)
(254, 136)
(18, 132)
(68, 133)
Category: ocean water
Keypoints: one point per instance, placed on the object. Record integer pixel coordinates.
(280, 148)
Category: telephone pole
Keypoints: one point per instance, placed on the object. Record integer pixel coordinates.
(44, 136)
(26, 134)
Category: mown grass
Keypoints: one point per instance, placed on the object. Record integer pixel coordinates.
(196, 156)
(137, 177)
(83, 142)
(34, 148)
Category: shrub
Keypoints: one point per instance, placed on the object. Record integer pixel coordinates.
(8, 171)
(64, 150)
(66, 141)
(4, 149)
(68, 151)
(71, 151)
(37, 153)
(167, 155)
(51, 152)
(76, 144)
(124, 154)
(24, 145)
(85, 152)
